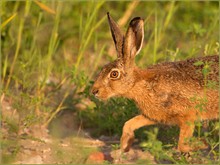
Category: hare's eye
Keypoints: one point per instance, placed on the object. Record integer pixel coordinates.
(114, 74)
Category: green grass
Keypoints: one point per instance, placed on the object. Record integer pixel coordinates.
(52, 50)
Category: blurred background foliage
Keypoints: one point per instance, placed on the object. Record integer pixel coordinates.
(52, 50)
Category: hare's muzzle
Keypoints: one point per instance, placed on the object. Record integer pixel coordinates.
(95, 91)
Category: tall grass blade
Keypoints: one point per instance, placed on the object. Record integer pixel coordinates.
(44, 7)
(87, 33)
(97, 61)
(53, 43)
(20, 30)
(8, 20)
(155, 39)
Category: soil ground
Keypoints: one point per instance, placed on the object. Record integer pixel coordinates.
(64, 143)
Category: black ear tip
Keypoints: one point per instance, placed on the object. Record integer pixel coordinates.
(136, 20)
(108, 15)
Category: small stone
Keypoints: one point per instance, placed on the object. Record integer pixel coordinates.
(98, 157)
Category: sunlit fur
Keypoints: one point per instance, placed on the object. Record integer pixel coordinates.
(173, 93)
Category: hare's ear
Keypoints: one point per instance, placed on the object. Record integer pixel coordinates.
(116, 35)
(133, 40)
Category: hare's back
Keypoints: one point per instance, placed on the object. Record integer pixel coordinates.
(174, 85)
(199, 69)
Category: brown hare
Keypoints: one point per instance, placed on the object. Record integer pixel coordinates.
(166, 93)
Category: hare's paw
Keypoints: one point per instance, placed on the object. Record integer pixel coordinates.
(126, 142)
(184, 148)
(200, 144)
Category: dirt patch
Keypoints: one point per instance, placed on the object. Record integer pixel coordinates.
(65, 143)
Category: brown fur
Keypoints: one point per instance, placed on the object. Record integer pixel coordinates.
(166, 93)
(171, 87)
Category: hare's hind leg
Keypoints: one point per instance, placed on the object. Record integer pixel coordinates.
(128, 130)
(186, 132)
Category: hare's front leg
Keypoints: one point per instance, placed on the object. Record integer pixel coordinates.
(128, 130)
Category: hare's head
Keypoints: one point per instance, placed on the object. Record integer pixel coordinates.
(118, 77)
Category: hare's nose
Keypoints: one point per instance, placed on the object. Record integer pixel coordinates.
(95, 91)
